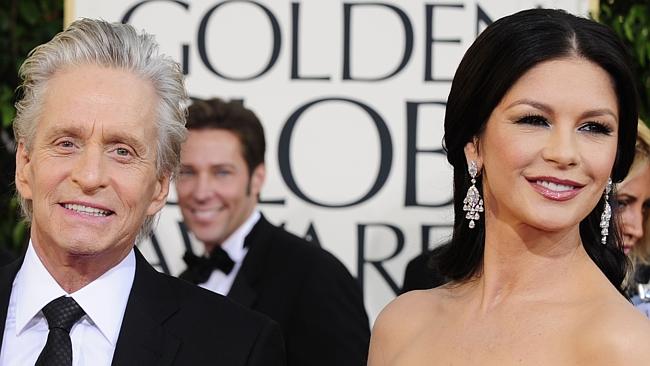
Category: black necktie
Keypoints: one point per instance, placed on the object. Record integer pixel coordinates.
(61, 314)
(199, 268)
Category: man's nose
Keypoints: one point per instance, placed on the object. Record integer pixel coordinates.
(203, 189)
(89, 171)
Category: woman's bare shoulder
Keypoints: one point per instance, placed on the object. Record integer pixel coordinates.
(417, 305)
(615, 334)
(403, 319)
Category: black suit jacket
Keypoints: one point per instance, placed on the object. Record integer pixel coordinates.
(170, 322)
(309, 292)
(422, 272)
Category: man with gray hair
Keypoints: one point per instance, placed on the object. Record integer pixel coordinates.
(99, 127)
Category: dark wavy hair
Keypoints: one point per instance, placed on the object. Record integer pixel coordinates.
(506, 50)
(231, 116)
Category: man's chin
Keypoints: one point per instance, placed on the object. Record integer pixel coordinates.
(207, 235)
(90, 248)
(83, 253)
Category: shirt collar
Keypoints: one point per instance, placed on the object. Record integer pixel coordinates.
(234, 245)
(35, 288)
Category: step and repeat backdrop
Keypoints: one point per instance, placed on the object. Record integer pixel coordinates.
(352, 98)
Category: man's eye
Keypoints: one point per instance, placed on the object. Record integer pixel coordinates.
(66, 144)
(121, 151)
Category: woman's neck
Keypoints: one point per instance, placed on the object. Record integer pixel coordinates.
(524, 263)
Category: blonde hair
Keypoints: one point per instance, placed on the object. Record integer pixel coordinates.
(641, 251)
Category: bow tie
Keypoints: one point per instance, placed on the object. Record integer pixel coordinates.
(199, 268)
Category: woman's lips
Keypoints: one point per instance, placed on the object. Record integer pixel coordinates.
(627, 246)
(555, 189)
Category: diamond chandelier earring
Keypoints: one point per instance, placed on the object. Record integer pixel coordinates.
(473, 203)
(606, 215)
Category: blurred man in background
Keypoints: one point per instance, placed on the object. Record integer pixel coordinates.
(301, 286)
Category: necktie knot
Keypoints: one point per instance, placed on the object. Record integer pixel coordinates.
(62, 313)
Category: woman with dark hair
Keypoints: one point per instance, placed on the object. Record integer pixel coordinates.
(540, 125)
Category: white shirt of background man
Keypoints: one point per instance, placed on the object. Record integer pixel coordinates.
(218, 281)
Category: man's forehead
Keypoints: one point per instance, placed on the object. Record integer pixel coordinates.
(99, 99)
(217, 137)
(100, 85)
(212, 147)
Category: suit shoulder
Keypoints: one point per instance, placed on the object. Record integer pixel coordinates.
(206, 327)
(309, 253)
(306, 263)
(208, 306)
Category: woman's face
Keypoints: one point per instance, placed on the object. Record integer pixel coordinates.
(633, 197)
(549, 146)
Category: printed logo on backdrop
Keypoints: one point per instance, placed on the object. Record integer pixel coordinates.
(286, 133)
(352, 97)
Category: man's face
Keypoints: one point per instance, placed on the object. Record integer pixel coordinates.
(216, 193)
(90, 172)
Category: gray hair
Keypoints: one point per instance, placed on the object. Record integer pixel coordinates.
(111, 45)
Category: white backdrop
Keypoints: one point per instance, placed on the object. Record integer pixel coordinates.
(351, 95)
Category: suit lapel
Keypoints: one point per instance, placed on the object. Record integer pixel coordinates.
(243, 289)
(7, 276)
(143, 340)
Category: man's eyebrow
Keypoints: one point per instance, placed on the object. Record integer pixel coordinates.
(112, 138)
(128, 139)
(211, 166)
(74, 131)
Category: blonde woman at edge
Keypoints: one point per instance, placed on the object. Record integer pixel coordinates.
(633, 203)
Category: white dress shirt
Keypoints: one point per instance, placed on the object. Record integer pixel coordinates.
(93, 337)
(220, 282)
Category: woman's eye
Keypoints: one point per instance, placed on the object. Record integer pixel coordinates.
(596, 127)
(185, 173)
(533, 120)
(620, 203)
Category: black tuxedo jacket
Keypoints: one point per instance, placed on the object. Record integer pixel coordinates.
(309, 292)
(170, 322)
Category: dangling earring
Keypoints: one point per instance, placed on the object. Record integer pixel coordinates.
(473, 203)
(606, 215)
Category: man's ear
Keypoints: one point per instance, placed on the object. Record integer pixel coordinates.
(23, 172)
(258, 176)
(160, 193)
(472, 152)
